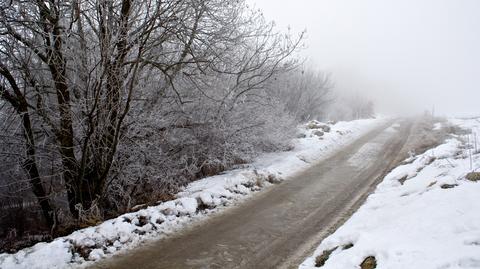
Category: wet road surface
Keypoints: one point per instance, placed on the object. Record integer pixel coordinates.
(280, 227)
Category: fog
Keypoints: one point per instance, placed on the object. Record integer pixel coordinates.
(408, 56)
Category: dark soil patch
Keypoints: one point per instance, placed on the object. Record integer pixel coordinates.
(143, 220)
(473, 176)
(448, 186)
(403, 179)
(320, 260)
(274, 179)
(83, 251)
(369, 263)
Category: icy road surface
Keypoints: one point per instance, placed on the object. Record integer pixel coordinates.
(280, 227)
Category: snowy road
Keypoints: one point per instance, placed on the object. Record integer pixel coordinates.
(281, 226)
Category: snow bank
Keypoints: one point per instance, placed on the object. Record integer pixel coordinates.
(197, 200)
(425, 214)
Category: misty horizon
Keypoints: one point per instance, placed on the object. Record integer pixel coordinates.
(407, 56)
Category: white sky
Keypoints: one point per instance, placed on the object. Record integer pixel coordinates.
(408, 55)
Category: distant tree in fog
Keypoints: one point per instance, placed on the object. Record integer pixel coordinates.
(305, 93)
(351, 107)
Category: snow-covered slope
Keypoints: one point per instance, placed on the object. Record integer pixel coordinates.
(430, 221)
(196, 201)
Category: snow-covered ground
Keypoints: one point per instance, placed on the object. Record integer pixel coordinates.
(198, 200)
(430, 221)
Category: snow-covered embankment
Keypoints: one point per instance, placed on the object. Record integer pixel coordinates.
(425, 214)
(196, 201)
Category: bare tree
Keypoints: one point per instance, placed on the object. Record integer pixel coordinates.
(78, 64)
(83, 76)
(304, 93)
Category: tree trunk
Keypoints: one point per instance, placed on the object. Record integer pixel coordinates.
(20, 105)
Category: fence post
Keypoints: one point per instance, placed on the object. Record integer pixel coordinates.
(475, 138)
(469, 145)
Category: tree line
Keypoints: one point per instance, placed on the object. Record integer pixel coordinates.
(106, 104)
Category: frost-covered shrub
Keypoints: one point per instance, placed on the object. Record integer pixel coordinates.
(173, 144)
